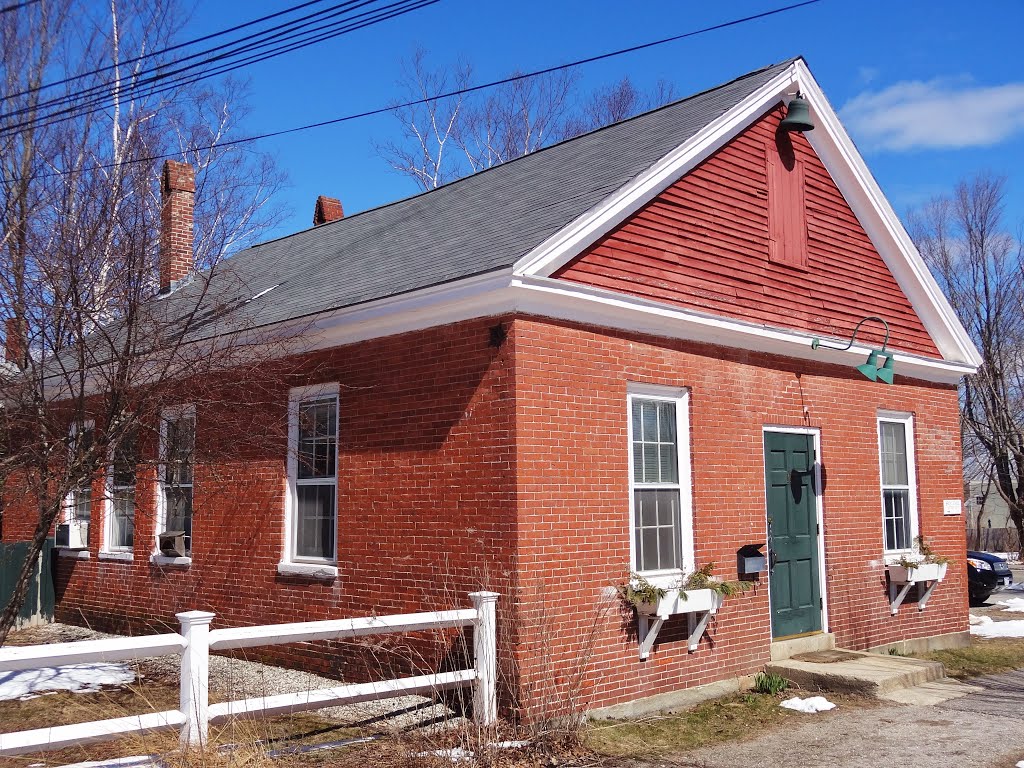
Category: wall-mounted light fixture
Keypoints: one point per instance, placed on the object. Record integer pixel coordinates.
(798, 115)
(871, 369)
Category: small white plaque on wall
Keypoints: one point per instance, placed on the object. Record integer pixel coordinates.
(952, 506)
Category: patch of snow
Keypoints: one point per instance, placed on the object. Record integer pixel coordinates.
(1017, 587)
(142, 761)
(999, 629)
(456, 754)
(1014, 604)
(979, 620)
(809, 705)
(72, 677)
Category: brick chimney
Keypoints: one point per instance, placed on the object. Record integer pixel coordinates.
(177, 192)
(327, 209)
(14, 342)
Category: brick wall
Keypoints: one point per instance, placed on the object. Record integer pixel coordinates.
(462, 466)
(426, 497)
(571, 385)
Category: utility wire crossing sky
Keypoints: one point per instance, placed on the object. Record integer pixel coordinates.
(470, 89)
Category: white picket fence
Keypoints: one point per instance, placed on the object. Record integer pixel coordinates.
(195, 642)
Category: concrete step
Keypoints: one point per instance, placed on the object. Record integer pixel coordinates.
(785, 649)
(854, 672)
(930, 694)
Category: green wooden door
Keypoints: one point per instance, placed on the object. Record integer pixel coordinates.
(793, 573)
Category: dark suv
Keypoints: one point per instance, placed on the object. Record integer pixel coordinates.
(986, 573)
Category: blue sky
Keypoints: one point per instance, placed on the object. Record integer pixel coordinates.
(930, 91)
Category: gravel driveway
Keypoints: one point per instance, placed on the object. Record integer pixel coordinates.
(883, 736)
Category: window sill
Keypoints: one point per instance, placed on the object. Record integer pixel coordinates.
(124, 557)
(183, 562)
(308, 570)
(73, 552)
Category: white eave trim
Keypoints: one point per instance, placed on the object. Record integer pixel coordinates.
(843, 162)
(585, 304)
(500, 293)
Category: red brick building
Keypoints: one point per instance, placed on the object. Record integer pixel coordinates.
(592, 360)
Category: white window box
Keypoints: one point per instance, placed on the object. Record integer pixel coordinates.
(922, 575)
(687, 601)
(321, 571)
(901, 574)
(699, 605)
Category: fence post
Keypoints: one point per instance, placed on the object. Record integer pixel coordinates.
(195, 676)
(485, 654)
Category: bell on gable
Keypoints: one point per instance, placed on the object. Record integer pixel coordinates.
(798, 116)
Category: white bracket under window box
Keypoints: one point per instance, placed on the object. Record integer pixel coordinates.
(699, 605)
(903, 577)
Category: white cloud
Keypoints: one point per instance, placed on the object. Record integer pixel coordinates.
(938, 114)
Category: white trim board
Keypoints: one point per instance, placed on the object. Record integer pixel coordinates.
(836, 151)
(501, 293)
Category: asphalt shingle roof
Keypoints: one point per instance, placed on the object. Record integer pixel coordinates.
(478, 224)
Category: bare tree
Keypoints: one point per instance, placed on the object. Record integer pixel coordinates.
(979, 265)
(94, 356)
(613, 103)
(443, 139)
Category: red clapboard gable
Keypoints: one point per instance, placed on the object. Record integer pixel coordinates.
(759, 232)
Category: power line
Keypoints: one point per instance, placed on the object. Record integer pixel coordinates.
(160, 52)
(159, 72)
(288, 41)
(456, 92)
(18, 6)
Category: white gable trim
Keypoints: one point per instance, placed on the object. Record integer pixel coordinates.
(559, 249)
(850, 173)
(843, 162)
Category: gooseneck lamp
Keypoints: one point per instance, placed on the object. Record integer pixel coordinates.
(871, 368)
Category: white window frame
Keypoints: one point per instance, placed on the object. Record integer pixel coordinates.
(907, 420)
(681, 397)
(108, 551)
(68, 513)
(291, 564)
(172, 413)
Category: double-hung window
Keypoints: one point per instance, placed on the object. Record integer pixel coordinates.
(899, 496)
(313, 474)
(177, 468)
(120, 534)
(74, 532)
(661, 521)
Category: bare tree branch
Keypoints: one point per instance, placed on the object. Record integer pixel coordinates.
(513, 120)
(979, 265)
(79, 251)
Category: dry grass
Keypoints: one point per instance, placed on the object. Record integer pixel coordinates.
(733, 717)
(255, 738)
(981, 657)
